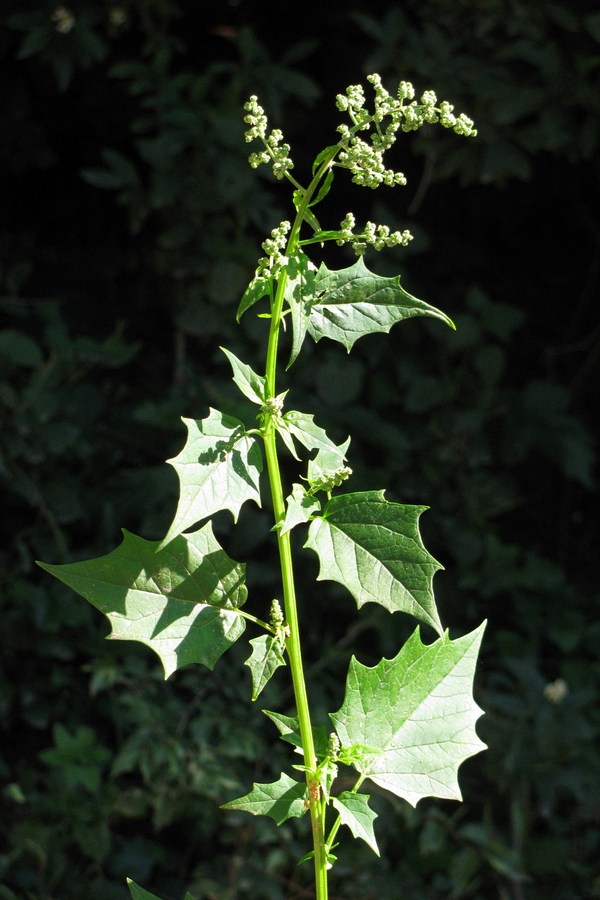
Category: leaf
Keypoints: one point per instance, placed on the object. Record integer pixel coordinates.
(324, 156)
(409, 722)
(300, 507)
(356, 813)
(139, 893)
(325, 471)
(281, 800)
(352, 302)
(179, 600)
(299, 290)
(324, 189)
(374, 549)
(218, 468)
(266, 657)
(289, 731)
(302, 427)
(256, 290)
(249, 383)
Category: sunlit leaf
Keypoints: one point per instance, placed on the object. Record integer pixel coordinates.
(409, 722)
(179, 600)
(218, 468)
(281, 800)
(353, 302)
(374, 549)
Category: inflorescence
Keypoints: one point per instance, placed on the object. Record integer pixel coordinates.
(363, 158)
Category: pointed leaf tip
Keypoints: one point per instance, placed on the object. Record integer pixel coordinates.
(180, 600)
(350, 303)
(374, 548)
(408, 723)
(281, 800)
(218, 468)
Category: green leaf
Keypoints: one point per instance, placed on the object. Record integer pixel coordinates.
(409, 722)
(299, 291)
(356, 813)
(256, 290)
(302, 427)
(374, 548)
(324, 156)
(266, 657)
(325, 472)
(139, 893)
(352, 302)
(179, 600)
(250, 384)
(281, 800)
(218, 468)
(289, 731)
(324, 189)
(300, 507)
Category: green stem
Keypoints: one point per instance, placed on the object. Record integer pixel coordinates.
(257, 621)
(293, 646)
(338, 821)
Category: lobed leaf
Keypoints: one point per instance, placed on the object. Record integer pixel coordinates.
(349, 303)
(266, 657)
(281, 800)
(374, 548)
(180, 600)
(356, 813)
(218, 468)
(302, 426)
(409, 722)
(300, 507)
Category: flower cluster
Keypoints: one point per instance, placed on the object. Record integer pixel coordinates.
(275, 151)
(271, 410)
(378, 236)
(270, 266)
(327, 482)
(365, 160)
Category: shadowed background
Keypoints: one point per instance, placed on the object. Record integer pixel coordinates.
(130, 224)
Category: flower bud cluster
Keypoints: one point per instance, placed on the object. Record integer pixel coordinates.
(276, 616)
(329, 482)
(272, 409)
(378, 236)
(275, 152)
(270, 265)
(365, 160)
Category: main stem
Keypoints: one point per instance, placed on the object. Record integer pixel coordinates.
(316, 802)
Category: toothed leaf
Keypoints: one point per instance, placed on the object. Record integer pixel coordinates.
(374, 549)
(356, 813)
(266, 657)
(300, 507)
(409, 722)
(349, 303)
(180, 600)
(218, 468)
(284, 799)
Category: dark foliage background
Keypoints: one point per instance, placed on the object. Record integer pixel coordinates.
(129, 225)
